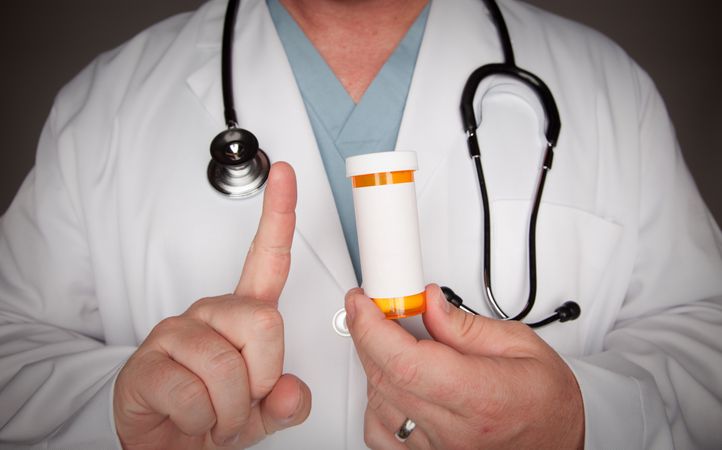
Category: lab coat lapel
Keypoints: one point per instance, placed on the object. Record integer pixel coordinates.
(265, 88)
(431, 124)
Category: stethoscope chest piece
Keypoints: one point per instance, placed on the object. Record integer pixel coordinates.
(238, 168)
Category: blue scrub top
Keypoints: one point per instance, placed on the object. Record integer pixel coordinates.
(342, 127)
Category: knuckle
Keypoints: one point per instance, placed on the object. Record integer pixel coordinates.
(226, 365)
(374, 399)
(267, 321)
(371, 432)
(402, 370)
(238, 422)
(370, 439)
(363, 333)
(522, 339)
(169, 325)
(468, 327)
(188, 394)
(150, 365)
(522, 330)
(199, 308)
(263, 386)
(268, 247)
(375, 376)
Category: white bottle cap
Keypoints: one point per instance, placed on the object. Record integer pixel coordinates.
(381, 162)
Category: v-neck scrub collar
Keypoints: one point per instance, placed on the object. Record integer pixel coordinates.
(342, 127)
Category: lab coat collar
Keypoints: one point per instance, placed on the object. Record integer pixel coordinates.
(264, 87)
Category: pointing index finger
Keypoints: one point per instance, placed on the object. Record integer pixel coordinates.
(269, 257)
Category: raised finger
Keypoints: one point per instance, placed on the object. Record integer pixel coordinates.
(219, 365)
(269, 257)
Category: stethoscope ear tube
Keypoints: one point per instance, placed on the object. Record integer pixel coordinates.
(229, 24)
(542, 91)
(569, 310)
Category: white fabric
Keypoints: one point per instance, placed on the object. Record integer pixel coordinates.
(116, 227)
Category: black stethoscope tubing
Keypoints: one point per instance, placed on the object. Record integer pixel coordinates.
(569, 310)
(229, 24)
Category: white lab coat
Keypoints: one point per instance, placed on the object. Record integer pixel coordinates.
(116, 227)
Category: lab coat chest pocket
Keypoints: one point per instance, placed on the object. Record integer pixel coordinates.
(575, 253)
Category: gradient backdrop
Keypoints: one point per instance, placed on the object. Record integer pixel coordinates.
(44, 43)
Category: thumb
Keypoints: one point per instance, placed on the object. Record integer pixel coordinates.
(288, 404)
(269, 257)
(470, 334)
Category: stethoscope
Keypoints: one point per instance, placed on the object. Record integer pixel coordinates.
(239, 168)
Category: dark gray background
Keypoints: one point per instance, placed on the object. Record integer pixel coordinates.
(44, 43)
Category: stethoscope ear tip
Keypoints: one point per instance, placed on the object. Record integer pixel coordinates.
(451, 296)
(568, 311)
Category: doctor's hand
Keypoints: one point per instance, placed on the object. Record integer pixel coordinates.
(482, 383)
(212, 377)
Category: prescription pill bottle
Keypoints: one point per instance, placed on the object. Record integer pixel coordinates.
(387, 224)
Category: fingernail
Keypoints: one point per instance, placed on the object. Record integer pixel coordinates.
(291, 417)
(443, 303)
(350, 307)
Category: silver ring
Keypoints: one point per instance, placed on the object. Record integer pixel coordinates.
(405, 430)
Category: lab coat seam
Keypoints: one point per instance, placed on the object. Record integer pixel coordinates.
(65, 164)
(199, 96)
(111, 405)
(349, 391)
(598, 189)
(21, 280)
(556, 204)
(17, 375)
(425, 181)
(112, 144)
(55, 136)
(643, 412)
(643, 108)
(206, 20)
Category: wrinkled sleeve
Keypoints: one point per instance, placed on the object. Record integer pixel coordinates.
(658, 382)
(56, 373)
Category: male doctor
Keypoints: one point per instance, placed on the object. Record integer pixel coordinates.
(115, 236)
